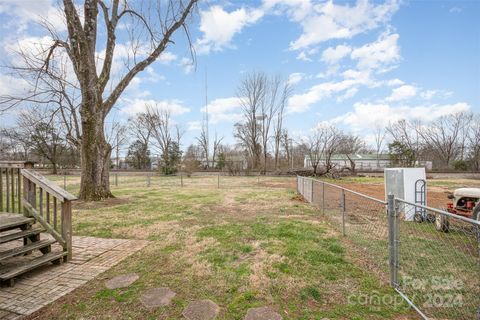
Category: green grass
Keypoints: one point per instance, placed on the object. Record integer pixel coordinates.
(246, 245)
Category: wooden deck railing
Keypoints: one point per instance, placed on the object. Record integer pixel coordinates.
(23, 190)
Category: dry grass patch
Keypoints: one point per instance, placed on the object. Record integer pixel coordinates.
(247, 244)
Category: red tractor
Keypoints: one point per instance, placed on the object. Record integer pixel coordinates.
(466, 203)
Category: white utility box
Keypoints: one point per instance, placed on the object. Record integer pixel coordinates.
(408, 184)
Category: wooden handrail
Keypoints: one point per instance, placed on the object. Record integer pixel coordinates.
(47, 185)
(38, 197)
(16, 164)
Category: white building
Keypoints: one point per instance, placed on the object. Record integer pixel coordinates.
(363, 162)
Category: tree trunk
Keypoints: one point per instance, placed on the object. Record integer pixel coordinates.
(265, 164)
(54, 168)
(95, 161)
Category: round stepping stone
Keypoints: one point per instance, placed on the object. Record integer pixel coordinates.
(262, 313)
(201, 310)
(121, 281)
(157, 297)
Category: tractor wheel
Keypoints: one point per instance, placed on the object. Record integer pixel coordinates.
(418, 217)
(442, 223)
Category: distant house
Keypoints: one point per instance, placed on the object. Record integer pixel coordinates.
(363, 162)
(238, 161)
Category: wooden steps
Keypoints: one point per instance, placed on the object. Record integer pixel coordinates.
(19, 235)
(9, 221)
(42, 245)
(13, 251)
(7, 274)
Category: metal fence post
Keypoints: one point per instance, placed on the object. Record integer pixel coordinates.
(311, 195)
(323, 197)
(64, 180)
(218, 181)
(181, 180)
(343, 212)
(116, 179)
(392, 240)
(148, 180)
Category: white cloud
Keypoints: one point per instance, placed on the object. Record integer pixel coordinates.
(350, 93)
(368, 115)
(194, 125)
(224, 109)
(333, 55)
(167, 57)
(403, 93)
(25, 12)
(295, 78)
(306, 54)
(347, 88)
(187, 65)
(455, 10)
(302, 102)
(219, 26)
(31, 45)
(325, 21)
(428, 94)
(394, 82)
(152, 76)
(132, 107)
(12, 86)
(380, 54)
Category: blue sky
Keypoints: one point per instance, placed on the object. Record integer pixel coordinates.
(356, 64)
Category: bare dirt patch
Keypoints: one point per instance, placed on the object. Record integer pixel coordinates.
(436, 195)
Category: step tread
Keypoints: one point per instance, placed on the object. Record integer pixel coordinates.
(30, 265)
(19, 235)
(10, 221)
(29, 247)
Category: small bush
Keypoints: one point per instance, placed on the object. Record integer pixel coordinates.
(460, 165)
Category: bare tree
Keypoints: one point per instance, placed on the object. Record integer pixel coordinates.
(251, 94)
(166, 137)
(332, 139)
(408, 134)
(275, 99)
(444, 136)
(150, 27)
(203, 144)
(315, 148)
(287, 144)
(263, 99)
(350, 145)
(44, 134)
(19, 143)
(116, 137)
(160, 126)
(216, 147)
(473, 139)
(140, 128)
(379, 135)
(278, 130)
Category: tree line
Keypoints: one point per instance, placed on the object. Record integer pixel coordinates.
(263, 142)
(74, 83)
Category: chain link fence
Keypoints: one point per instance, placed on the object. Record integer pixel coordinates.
(135, 180)
(434, 265)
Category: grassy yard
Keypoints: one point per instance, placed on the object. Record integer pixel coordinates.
(249, 243)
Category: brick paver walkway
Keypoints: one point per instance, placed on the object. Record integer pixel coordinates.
(91, 256)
